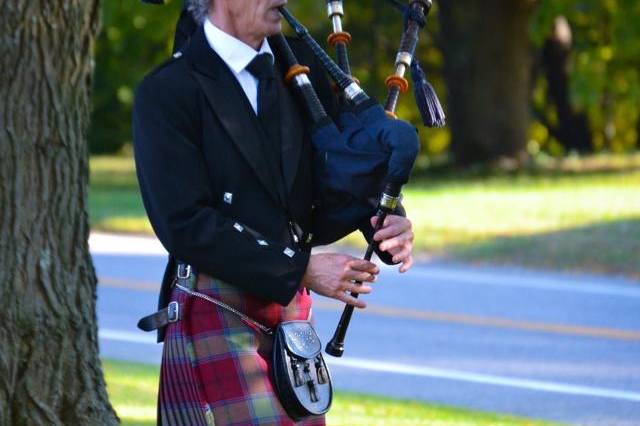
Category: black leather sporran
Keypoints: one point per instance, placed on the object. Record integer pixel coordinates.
(300, 374)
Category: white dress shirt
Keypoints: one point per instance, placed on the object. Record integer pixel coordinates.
(237, 55)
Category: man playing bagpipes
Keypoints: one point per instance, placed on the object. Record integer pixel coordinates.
(225, 168)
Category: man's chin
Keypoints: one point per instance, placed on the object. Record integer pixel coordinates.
(274, 28)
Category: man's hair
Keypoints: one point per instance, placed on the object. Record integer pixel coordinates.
(199, 9)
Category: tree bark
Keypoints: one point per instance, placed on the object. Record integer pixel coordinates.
(50, 372)
(487, 64)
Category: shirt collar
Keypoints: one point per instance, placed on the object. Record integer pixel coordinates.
(235, 53)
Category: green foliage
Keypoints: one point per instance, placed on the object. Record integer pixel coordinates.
(605, 63)
(135, 37)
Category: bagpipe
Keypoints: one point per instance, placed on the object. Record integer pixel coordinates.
(364, 156)
(367, 148)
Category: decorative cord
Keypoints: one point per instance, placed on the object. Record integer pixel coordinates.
(246, 319)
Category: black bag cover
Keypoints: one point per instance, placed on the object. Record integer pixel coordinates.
(300, 374)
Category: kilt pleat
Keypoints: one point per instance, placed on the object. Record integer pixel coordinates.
(216, 369)
(179, 402)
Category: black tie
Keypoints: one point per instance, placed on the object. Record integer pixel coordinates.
(261, 67)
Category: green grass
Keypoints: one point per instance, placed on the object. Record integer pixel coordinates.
(114, 198)
(568, 221)
(133, 388)
(580, 214)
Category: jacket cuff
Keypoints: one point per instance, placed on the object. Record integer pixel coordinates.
(294, 280)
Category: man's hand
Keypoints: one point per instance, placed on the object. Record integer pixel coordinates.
(396, 238)
(332, 275)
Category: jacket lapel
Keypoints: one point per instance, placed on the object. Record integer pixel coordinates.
(225, 98)
(291, 134)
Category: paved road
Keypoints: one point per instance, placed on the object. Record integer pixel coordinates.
(551, 346)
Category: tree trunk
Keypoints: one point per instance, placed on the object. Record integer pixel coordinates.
(487, 71)
(50, 372)
(572, 130)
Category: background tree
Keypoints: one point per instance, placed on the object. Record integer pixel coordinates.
(136, 37)
(487, 64)
(50, 372)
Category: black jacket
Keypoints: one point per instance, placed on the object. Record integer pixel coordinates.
(211, 196)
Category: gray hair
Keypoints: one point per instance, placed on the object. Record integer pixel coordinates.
(199, 9)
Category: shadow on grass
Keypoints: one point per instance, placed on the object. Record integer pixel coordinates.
(608, 247)
(571, 166)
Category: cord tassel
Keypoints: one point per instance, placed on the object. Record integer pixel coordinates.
(426, 98)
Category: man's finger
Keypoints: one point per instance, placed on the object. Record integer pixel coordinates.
(402, 255)
(406, 264)
(394, 250)
(387, 221)
(397, 241)
(358, 288)
(362, 265)
(350, 300)
(392, 230)
(388, 231)
(359, 276)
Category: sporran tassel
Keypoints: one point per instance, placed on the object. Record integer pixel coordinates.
(426, 98)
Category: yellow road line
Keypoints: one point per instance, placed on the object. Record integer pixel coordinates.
(483, 321)
(420, 315)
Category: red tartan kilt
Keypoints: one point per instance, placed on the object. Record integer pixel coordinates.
(215, 368)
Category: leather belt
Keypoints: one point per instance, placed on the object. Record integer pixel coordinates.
(172, 313)
(186, 276)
